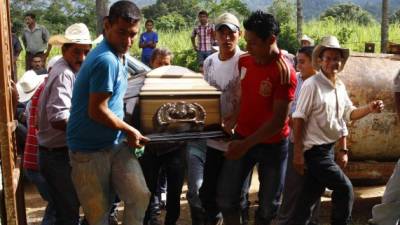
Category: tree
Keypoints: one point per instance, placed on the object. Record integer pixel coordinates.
(348, 12)
(395, 18)
(188, 9)
(283, 11)
(299, 19)
(101, 11)
(234, 6)
(384, 26)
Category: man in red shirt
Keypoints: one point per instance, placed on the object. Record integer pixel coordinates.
(268, 83)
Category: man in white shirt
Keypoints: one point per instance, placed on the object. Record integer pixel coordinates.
(319, 121)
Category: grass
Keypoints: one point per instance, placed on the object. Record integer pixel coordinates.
(179, 41)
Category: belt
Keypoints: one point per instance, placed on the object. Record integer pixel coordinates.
(59, 149)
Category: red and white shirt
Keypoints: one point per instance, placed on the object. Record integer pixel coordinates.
(261, 86)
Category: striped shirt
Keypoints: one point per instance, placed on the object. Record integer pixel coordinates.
(205, 36)
(31, 143)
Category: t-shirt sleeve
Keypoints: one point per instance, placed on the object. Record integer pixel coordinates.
(103, 76)
(286, 91)
(155, 37)
(305, 101)
(141, 39)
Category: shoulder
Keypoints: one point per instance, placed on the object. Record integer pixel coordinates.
(244, 57)
(285, 70)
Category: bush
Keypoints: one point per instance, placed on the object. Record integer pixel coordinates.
(395, 18)
(348, 12)
(173, 21)
(287, 38)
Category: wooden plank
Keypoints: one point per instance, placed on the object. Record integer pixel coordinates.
(7, 139)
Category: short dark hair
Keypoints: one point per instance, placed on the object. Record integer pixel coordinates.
(149, 21)
(203, 12)
(37, 55)
(160, 52)
(306, 50)
(31, 15)
(125, 10)
(262, 24)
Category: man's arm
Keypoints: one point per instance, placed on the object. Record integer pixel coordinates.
(298, 136)
(372, 107)
(238, 148)
(193, 39)
(98, 111)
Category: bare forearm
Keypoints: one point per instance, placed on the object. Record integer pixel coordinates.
(106, 117)
(298, 132)
(360, 112)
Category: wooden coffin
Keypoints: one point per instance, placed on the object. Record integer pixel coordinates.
(175, 99)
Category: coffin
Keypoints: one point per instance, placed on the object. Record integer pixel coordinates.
(175, 100)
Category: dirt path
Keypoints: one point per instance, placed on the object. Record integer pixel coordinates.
(366, 197)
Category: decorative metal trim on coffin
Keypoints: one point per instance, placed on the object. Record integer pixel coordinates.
(181, 116)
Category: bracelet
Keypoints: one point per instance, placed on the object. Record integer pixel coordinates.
(344, 150)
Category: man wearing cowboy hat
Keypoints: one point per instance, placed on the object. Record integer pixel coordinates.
(101, 159)
(306, 41)
(319, 121)
(54, 111)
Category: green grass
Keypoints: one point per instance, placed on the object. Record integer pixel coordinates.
(179, 41)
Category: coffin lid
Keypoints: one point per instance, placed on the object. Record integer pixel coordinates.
(176, 80)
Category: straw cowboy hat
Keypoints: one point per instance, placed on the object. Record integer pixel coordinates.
(307, 38)
(329, 42)
(77, 33)
(28, 84)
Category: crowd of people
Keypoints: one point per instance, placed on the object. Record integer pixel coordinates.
(282, 120)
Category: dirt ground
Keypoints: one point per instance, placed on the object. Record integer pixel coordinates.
(366, 197)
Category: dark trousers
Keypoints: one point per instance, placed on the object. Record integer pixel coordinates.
(174, 164)
(208, 190)
(322, 172)
(56, 170)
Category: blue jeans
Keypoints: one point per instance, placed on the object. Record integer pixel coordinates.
(49, 217)
(272, 160)
(55, 168)
(97, 176)
(196, 157)
(202, 55)
(292, 189)
(322, 172)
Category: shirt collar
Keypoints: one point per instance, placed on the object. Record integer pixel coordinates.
(327, 81)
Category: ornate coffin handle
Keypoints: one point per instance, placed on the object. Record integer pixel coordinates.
(181, 112)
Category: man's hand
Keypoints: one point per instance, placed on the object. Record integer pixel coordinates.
(136, 139)
(298, 161)
(236, 150)
(342, 159)
(228, 124)
(376, 106)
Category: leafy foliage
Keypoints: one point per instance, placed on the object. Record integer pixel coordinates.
(172, 21)
(348, 12)
(187, 9)
(284, 11)
(395, 18)
(56, 15)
